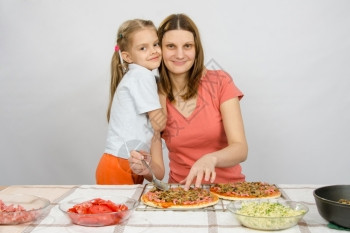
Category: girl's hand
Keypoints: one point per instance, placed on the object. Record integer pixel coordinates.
(202, 168)
(135, 162)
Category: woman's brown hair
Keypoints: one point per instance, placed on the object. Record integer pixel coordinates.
(124, 39)
(182, 22)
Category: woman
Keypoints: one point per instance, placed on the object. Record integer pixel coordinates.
(204, 131)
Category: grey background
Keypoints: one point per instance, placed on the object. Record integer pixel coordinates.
(290, 58)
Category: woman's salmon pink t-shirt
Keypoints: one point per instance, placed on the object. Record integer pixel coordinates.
(189, 138)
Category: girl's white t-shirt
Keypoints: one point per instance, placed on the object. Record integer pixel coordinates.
(129, 124)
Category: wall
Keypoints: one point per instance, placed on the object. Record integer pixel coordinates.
(290, 58)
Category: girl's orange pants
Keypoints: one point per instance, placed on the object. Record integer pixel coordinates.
(115, 170)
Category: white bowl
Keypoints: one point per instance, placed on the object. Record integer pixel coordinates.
(21, 208)
(254, 216)
(100, 219)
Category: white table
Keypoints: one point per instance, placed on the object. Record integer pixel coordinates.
(145, 219)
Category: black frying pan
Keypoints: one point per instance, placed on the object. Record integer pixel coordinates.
(328, 206)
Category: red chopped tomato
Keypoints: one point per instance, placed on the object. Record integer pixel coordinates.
(99, 209)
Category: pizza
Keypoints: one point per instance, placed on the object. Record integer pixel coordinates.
(178, 198)
(245, 190)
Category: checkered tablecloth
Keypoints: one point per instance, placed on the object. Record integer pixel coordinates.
(145, 219)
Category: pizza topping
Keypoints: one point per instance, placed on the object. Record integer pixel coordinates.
(245, 189)
(269, 215)
(10, 214)
(266, 209)
(97, 206)
(178, 196)
(344, 201)
(10, 208)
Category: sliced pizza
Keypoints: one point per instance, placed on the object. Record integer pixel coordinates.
(245, 190)
(178, 198)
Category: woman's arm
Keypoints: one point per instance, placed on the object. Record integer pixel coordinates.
(235, 153)
(158, 117)
(156, 162)
(155, 158)
(158, 121)
(237, 149)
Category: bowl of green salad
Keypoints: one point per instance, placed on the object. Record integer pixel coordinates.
(268, 214)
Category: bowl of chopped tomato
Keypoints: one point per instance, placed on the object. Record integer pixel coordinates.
(21, 208)
(99, 211)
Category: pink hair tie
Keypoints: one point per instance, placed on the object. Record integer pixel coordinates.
(116, 48)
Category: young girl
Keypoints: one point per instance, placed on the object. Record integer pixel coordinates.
(134, 113)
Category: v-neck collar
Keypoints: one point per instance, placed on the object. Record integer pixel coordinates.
(195, 111)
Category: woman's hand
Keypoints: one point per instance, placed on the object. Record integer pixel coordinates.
(203, 168)
(135, 162)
